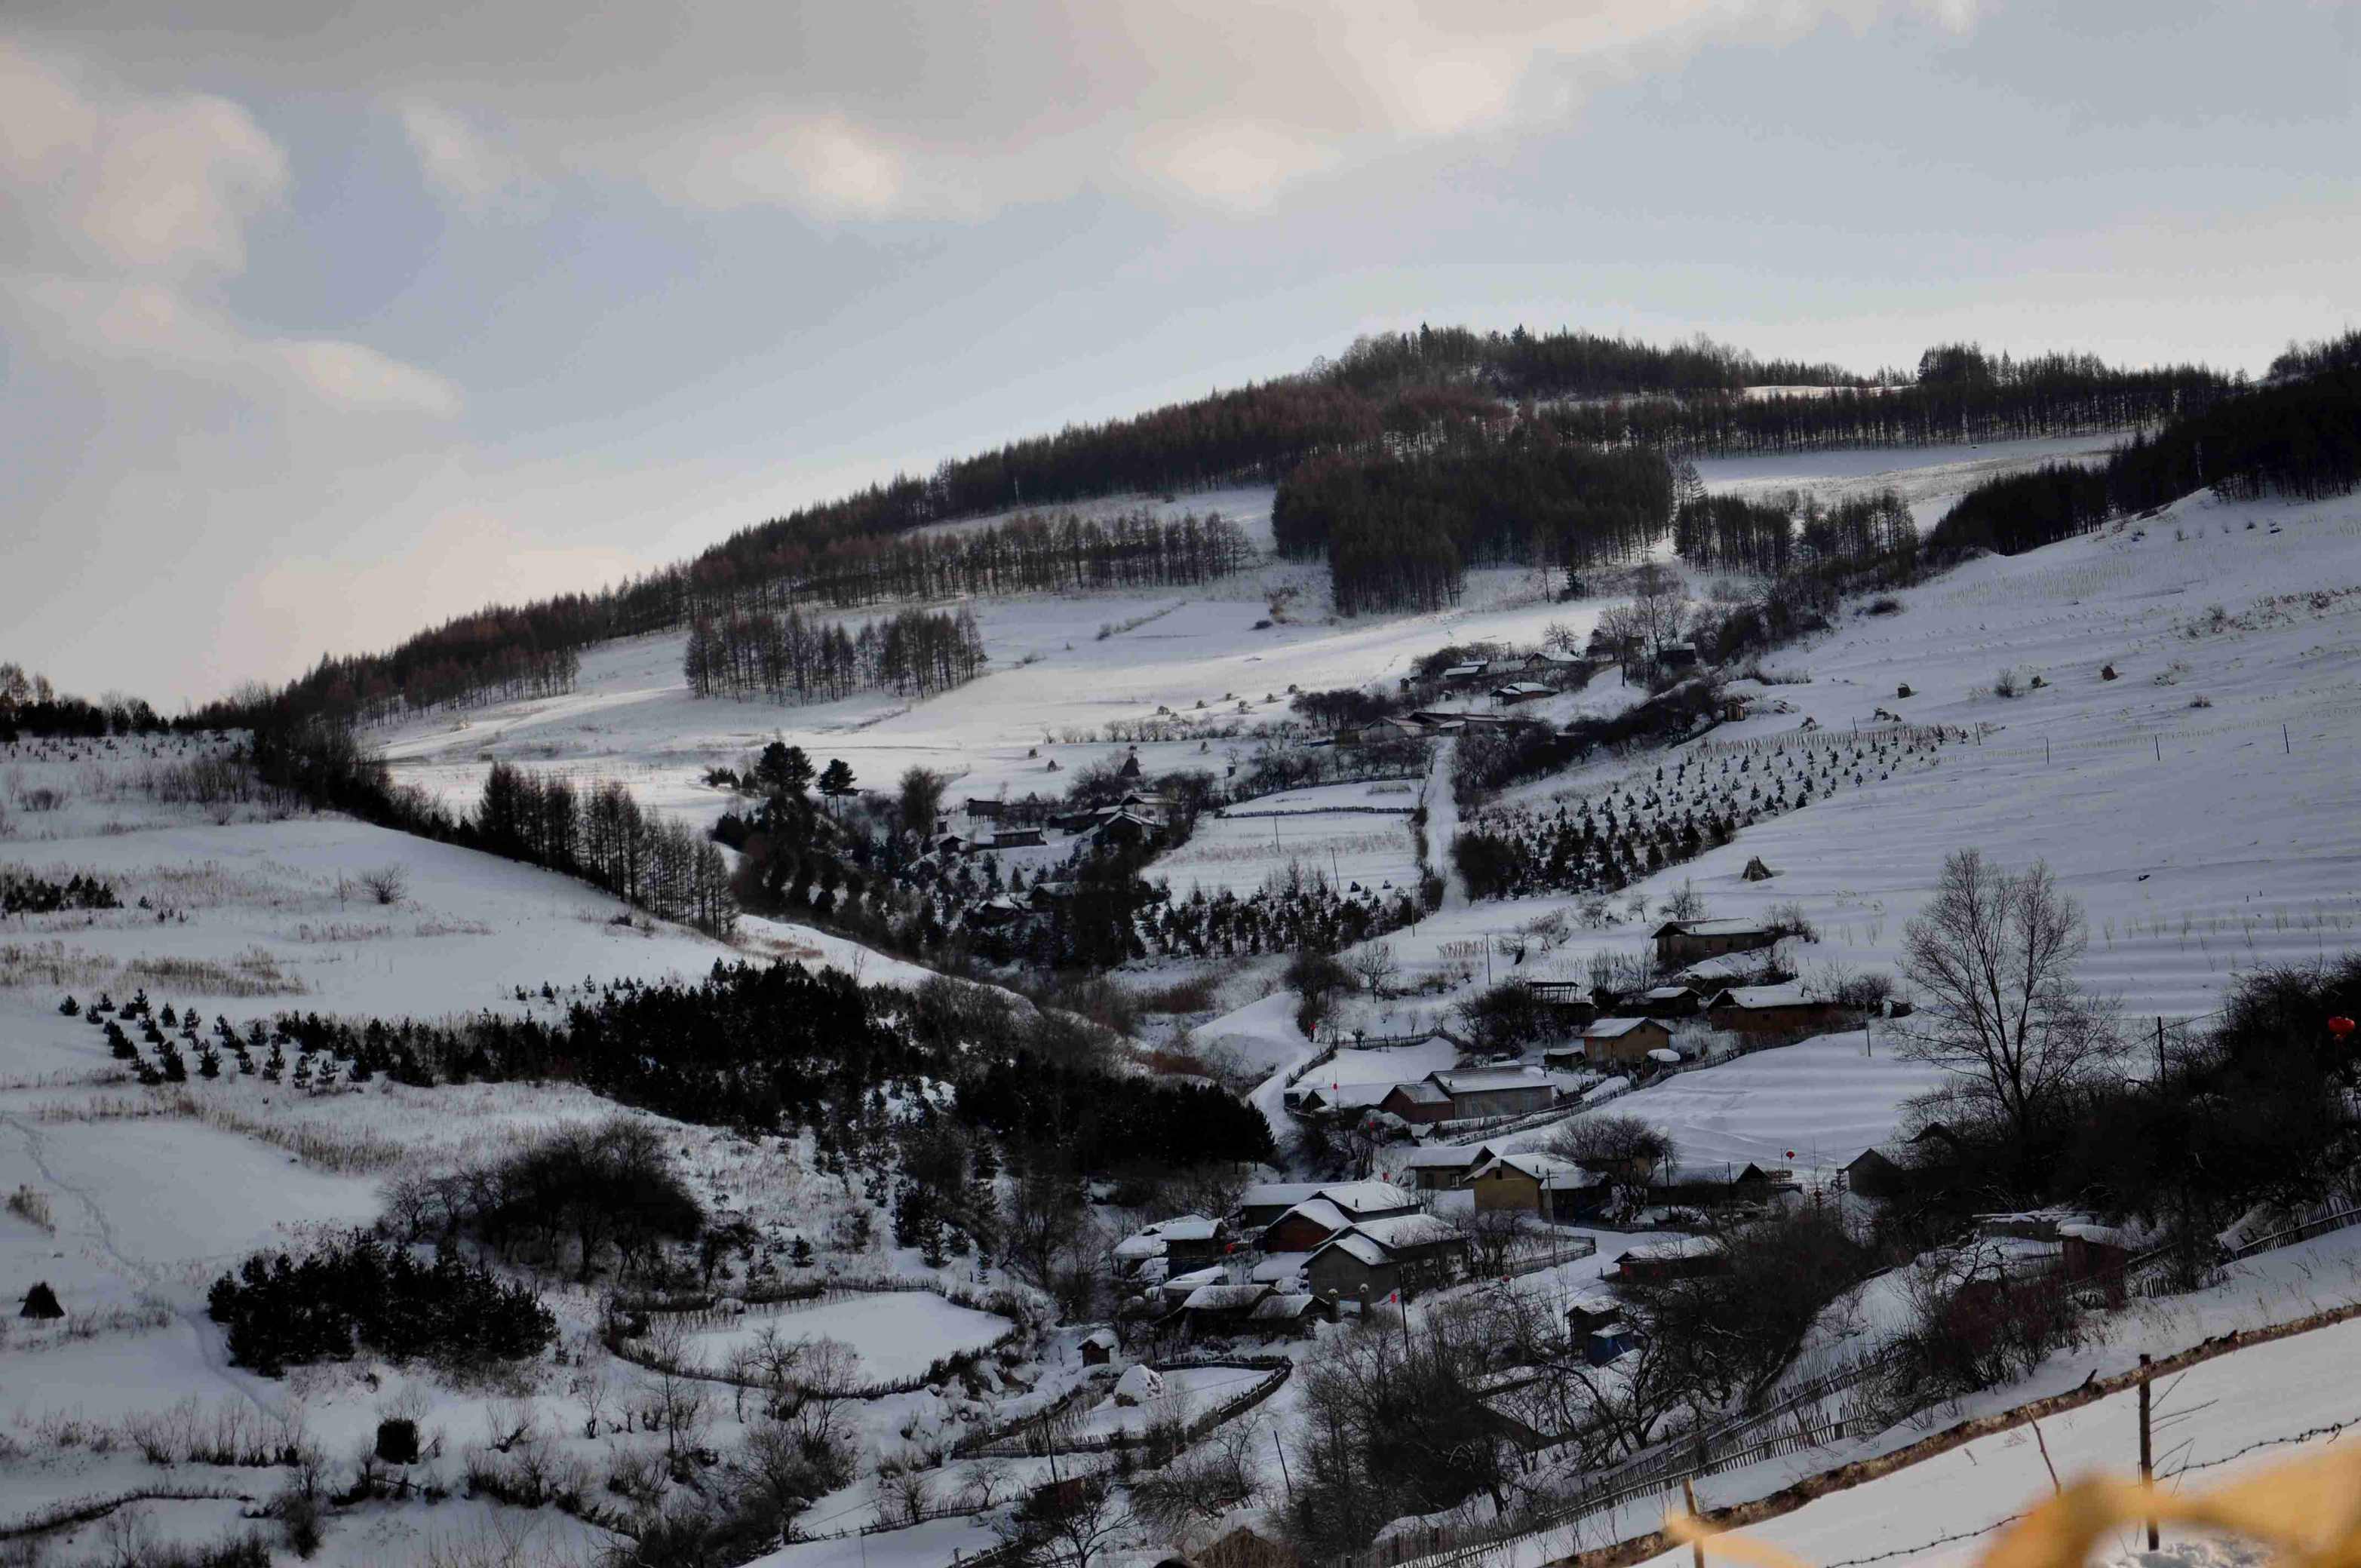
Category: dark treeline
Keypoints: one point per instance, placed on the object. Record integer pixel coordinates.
(779, 654)
(1770, 537)
(656, 863)
(2004, 399)
(2299, 438)
(1401, 527)
(771, 1048)
(1033, 553)
(31, 708)
(1519, 364)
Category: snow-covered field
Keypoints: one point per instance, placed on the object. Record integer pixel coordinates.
(1810, 1107)
(1240, 851)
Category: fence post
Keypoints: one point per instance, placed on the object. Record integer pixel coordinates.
(2147, 1470)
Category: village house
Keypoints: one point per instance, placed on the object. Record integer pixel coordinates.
(1100, 1347)
(1371, 1261)
(1556, 1189)
(1610, 1343)
(1567, 1002)
(1127, 828)
(1330, 1209)
(1683, 942)
(1464, 675)
(1430, 1250)
(1623, 1042)
(1585, 1313)
(1264, 1202)
(1422, 1104)
(1516, 691)
(1668, 1001)
(1346, 1100)
(1786, 1009)
(1708, 978)
(1682, 1257)
(1016, 838)
(1352, 1267)
(1486, 1092)
(1439, 1166)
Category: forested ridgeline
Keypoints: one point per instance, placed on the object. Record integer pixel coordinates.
(1399, 527)
(1960, 395)
(2299, 437)
(781, 655)
(1581, 387)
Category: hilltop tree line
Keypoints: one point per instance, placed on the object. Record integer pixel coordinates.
(781, 655)
(1969, 398)
(1522, 364)
(1401, 527)
(2299, 438)
(1682, 399)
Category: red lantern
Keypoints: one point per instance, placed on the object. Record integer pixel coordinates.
(2342, 1027)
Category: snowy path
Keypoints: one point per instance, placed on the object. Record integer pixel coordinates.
(1443, 824)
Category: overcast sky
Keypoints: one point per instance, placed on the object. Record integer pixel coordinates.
(324, 322)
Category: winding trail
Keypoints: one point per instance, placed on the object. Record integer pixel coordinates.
(192, 1317)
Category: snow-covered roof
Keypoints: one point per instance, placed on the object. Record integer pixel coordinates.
(1222, 1297)
(1103, 1338)
(1278, 1267)
(1715, 928)
(1476, 668)
(1677, 1248)
(1477, 1080)
(1594, 1306)
(1277, 1194)
(1320, 1212)
(1525, 688)
(1791, 994)
(1194, 1279)
(1421, 1092)
(1445, 1157)
(1406, 1231)
(1666, 992)
(1614, 1028)
(1144, 1244)
(1664, 1056)
(1546, 1169)
(1357, 1246)
(1280, 1308)
(1368, 1197)
(1727, 967)
(1187, 1228)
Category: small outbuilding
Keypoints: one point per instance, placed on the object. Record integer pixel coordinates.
(42, 1302)
(1757, 872)
(1099, 1347)
(1624, 1041)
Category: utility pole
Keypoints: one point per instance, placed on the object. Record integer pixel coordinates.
(1283, 1476)
(1688, 1495)
(2160, 1069)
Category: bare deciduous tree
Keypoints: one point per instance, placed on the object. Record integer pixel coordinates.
(1992, 956)
(1376, 965)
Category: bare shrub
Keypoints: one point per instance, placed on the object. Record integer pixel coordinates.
(2005, 684)
(387, 883)
(32, 1205)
